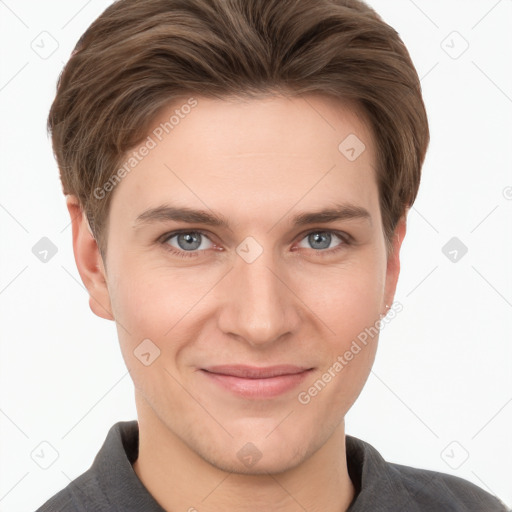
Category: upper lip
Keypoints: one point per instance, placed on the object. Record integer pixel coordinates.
(254, 372)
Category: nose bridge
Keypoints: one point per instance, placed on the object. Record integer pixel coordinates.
(258, 306)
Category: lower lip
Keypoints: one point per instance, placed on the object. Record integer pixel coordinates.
(258, 388)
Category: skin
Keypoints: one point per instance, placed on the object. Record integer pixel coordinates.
(258, 163)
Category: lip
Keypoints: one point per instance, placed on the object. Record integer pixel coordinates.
(257, 382)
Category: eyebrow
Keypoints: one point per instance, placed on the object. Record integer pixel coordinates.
(345, 211)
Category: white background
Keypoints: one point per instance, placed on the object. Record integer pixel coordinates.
(441, 389)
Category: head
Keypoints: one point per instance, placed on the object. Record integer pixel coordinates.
(284, 141)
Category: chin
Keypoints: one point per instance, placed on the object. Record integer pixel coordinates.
(263, 462)
(255, 452)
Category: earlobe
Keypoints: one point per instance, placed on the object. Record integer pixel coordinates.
(89, 261)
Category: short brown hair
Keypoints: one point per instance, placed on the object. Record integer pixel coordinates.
(141, 55)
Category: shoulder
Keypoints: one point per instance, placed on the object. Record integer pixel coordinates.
(434, 489)
(89, 492)
(384, 486)
(109, 480)
(74, 497)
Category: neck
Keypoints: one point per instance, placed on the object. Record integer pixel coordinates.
(179, 479)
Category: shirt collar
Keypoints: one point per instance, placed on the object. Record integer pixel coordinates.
(114, 474)
(375, 480)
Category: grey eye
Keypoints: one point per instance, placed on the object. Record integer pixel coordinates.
(189, 241)
(320, 240)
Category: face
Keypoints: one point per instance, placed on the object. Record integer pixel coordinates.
(245, 255)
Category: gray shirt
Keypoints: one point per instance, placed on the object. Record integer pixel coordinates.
(111, 484)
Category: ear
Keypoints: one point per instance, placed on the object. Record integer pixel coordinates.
(89, 261)
(393, 264)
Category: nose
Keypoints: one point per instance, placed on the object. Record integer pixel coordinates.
(258, 305)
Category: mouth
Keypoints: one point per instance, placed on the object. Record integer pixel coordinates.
(256, 382)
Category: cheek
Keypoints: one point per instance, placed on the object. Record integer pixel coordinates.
(150, 310)
(347, 297)
(349, 302)
(351, 312)
(166, 306)
(154, 299)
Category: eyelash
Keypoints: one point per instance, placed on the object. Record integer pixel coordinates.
(346, 239)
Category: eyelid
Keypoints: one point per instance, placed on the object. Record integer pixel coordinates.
(341, 234)
(163, 238)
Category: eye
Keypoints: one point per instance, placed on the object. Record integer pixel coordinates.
(192, 243)
(322, 240)
(188, 241)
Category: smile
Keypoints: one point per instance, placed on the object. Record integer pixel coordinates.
(256, 383)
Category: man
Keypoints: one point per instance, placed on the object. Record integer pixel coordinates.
(238, 174)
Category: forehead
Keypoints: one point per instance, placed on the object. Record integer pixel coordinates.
(250, 156)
